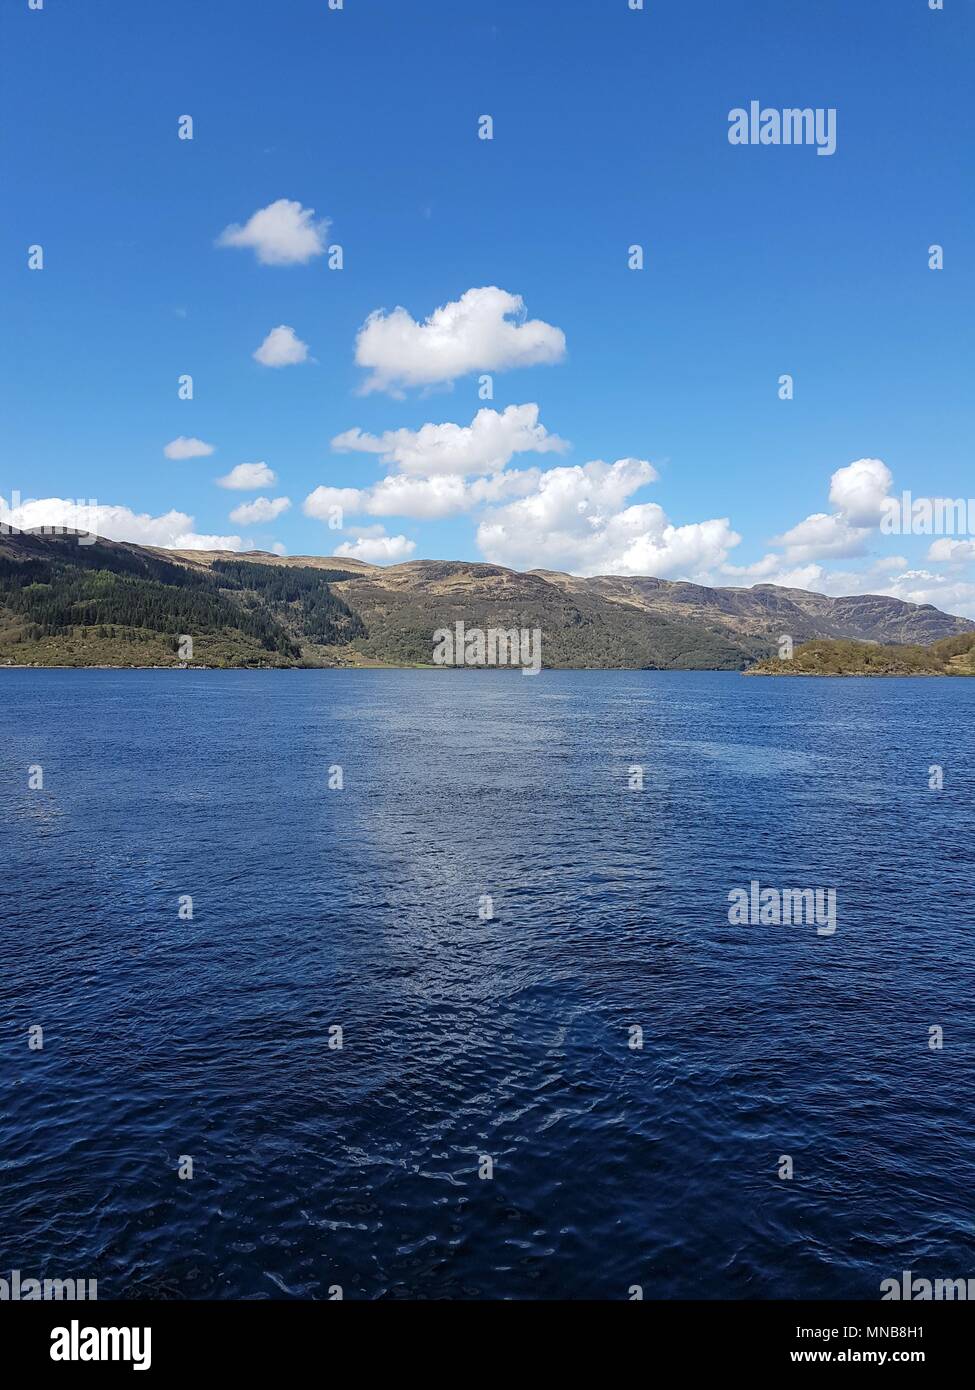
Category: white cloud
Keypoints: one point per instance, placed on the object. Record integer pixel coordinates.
(322, 503)
(281, 348)
(431, 498)
(760, 571)
(423, 499)
(836, 583)
(435, 463)
(486, 445)
(183, 448)
(365, 532)
(921, 586)
(771, 569)
(261, 509)
(820, 536)
(378, 550)
(950, 552)
(575, 520)
(171, 531)
(858, 491)
(193, 541)
(485, 330)
(912, 586)
(283, 233)
(248, 477)
(278, 548)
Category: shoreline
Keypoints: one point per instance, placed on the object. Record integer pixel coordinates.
(657, 670)
(856, 675)
(512, 670)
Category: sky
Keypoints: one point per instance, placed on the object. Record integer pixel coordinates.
(410, 342)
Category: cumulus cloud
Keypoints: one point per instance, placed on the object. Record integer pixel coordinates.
(192, 540)
(183, 448)
(912, 586)
(575, 519)
(261, 509)
(325, 502)
(443, 470)
(171, 531)
(567, 518)
(281, 348)
(365, 532)
(431, 498)
(248, 477)
(486, 445)
(378, 550)
(861, 494)
(423, 499)
(921, 586)
(283, 233)
(951, 552)
(760, 572)
(859, 491)
(820, 536)
(771, 569)
(485, 330)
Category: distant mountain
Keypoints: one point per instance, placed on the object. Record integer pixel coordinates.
(119, 604)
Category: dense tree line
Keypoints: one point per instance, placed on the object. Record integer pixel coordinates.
(55, 597)
(323, 616)
(107, 588)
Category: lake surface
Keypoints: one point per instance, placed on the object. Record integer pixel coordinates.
(467, 1036)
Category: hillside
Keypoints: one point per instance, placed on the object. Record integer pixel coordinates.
(951, 656)
(119, 604)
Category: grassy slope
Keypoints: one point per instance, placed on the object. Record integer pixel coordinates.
(576, 632)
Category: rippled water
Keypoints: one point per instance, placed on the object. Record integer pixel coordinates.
(506, 1037)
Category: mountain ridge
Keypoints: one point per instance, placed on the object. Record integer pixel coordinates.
(837, 612)
(257, 608)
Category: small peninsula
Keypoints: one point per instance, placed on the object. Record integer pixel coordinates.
(950, 656)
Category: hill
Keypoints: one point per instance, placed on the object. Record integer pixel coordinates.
(119, 604)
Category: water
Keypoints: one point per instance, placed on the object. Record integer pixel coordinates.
(506, 1037)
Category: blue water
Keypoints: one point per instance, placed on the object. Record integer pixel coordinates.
(464, 1037)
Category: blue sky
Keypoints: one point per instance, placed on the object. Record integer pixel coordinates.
(610, 129)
